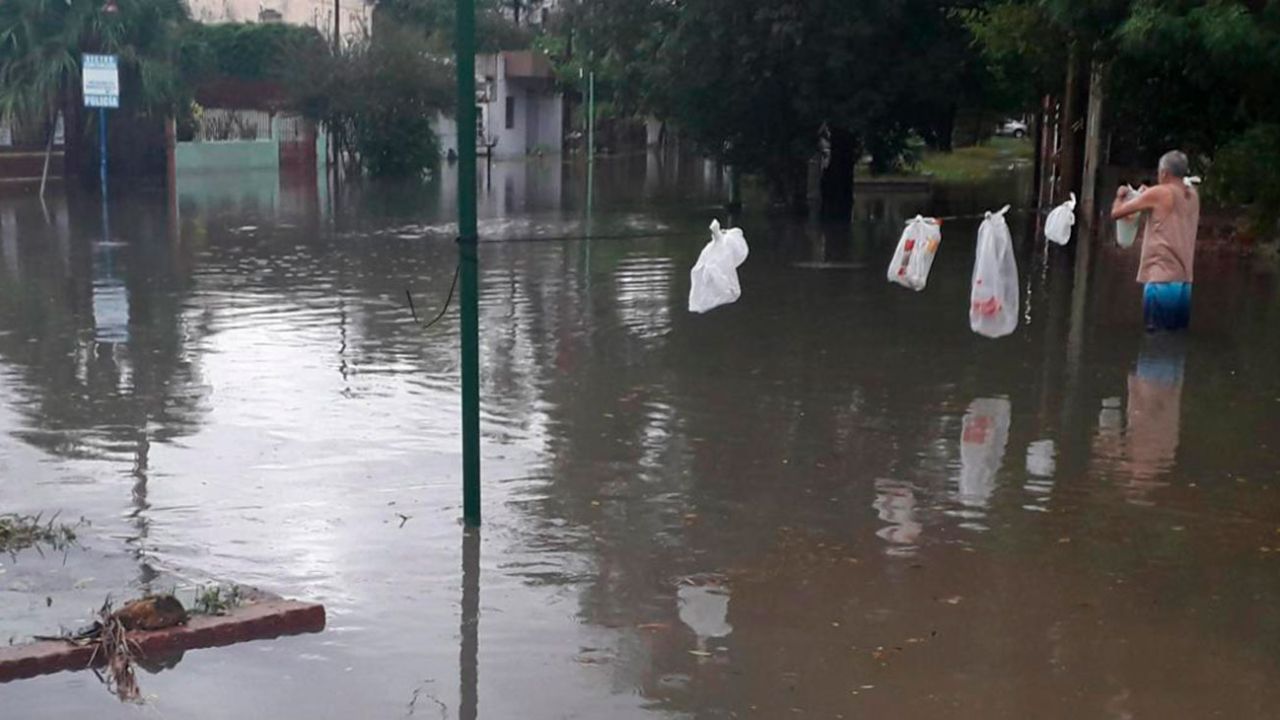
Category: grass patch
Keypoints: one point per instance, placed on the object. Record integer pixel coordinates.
(976, 161)
(19, 532)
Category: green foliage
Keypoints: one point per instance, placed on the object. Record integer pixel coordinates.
(41, 42)
(1195, 75)
(769, 74)
(1012, 37)
(217, 599)
(1199, 75)
(380, 98)
(1247, 171)
(246, 51)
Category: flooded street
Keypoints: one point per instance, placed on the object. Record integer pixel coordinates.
(830, 499)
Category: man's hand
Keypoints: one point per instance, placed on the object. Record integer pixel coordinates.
(1145, 199)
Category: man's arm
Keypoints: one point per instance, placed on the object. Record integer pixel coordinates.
(1148, 199)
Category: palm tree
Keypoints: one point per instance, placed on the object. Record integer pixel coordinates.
(41, 43)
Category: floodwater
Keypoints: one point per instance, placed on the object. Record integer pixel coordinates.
(829, 500)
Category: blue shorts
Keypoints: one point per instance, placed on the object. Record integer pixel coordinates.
(1166, 306)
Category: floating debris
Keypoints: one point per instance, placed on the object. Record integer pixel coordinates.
(19, 532)
(113, 650)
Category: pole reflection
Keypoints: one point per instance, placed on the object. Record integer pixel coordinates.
(468, 661)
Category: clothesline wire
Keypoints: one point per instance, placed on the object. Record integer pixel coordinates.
(664, 235)
(617, 236)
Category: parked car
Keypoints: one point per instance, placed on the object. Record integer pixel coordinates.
(1012, 128)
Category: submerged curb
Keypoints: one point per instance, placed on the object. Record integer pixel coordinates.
(255, 621)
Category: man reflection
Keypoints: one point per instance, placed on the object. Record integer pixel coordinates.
(1148, 443)
(895, 504)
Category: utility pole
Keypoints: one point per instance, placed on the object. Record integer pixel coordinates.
(1093, 143)
(465, 38)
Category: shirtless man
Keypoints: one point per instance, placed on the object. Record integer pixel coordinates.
(1168, 245)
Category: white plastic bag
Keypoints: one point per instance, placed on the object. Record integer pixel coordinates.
(1058, 227)
(1127, 228)
(993, 302)
(916, 250)
(715, 276)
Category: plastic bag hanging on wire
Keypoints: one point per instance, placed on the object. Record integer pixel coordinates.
(715, 276)
(916, 250)
(993, 301)
(1058, 227)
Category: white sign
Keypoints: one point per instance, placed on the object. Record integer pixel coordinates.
(101, 81)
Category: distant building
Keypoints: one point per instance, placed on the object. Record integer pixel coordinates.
(519, 110)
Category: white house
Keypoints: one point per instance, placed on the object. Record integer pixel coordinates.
(519, 110)
(522, 112)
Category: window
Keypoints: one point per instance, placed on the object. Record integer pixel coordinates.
(511, 112)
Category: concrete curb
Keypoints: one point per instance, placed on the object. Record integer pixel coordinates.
(255, 621)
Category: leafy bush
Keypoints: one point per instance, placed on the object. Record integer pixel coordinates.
(245, 51)
(1247, 171)
(380, 99)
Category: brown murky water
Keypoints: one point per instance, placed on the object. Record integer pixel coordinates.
(828, 500)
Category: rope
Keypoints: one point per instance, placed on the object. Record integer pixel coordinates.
(619, 236)
(447, 301)
(572, 238)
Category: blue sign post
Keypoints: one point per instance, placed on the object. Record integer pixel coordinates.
(101, 78)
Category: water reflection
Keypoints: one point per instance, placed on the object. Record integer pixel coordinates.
(1042, 463)
(469, 651)
(782, 486)
(1144, 447)
(983, 439)
(704, 609)
(896, 505)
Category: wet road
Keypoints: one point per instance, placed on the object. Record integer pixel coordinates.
(828, 500)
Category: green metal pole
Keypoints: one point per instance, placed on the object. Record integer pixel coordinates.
(470, 341)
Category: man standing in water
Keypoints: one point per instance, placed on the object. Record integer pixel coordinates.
(1169, 244)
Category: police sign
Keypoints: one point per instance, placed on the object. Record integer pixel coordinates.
(101, 81)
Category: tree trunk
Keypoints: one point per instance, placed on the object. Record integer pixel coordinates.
(72, 131)
(789, 186)
(947, 129)
(48, 153)
(798, 174)
(1093, 146)
(1047, 140)
(836, 185)
(1037, 166)
(1071, 146)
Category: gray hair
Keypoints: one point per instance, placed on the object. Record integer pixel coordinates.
(1175, 163)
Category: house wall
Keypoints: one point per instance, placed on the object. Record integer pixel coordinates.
(228, 155)
(539, 113)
